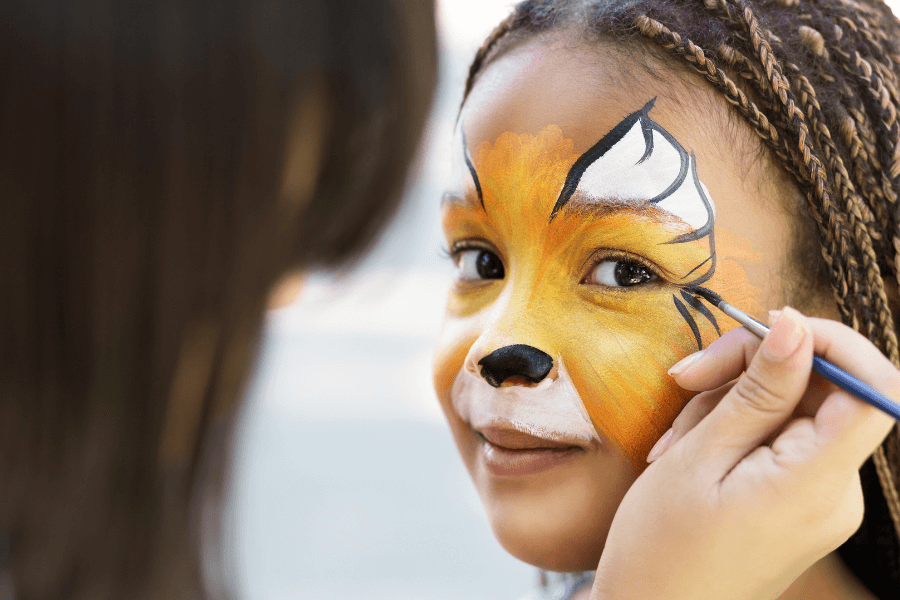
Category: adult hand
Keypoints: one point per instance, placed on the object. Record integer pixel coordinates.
(720, 514)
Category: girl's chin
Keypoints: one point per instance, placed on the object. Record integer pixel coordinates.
(552, 550)
(558, 517)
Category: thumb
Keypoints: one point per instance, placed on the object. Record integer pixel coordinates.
(763, 398)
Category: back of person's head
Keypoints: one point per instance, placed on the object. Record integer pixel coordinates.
(162, 165)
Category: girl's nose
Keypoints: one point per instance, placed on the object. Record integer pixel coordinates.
(518, 360)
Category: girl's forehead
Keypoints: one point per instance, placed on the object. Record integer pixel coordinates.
(585, 90)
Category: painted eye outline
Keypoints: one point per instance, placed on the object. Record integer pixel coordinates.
(457, 249)
(603, 255)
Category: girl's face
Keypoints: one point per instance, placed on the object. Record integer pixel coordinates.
(590, 199)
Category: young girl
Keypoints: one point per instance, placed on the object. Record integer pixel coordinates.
(602, 179)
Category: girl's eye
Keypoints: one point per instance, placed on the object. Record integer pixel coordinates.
(621, 273)
(475, 263)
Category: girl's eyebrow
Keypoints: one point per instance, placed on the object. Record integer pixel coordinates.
(597, 208)
(592, 208)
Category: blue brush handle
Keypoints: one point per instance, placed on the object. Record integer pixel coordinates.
(848, 382)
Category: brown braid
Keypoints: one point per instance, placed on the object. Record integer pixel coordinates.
(812, 171)
(835, 233)
(819, 83)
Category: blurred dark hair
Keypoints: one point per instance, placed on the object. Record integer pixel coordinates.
(163, 164)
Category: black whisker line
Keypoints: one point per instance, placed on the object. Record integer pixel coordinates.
(697, 305)
(690, 321)
(705, 293)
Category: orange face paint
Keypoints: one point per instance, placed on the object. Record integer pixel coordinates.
(613, 343)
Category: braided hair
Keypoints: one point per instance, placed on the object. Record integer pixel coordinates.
(818, 82)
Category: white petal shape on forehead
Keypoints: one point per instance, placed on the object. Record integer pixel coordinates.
(639, 160)
(620, 174)
(551, 410)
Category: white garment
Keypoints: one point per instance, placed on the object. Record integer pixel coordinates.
(560, 586)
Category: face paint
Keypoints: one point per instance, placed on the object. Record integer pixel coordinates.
(573, 232)
(551, 410)
(640, 161)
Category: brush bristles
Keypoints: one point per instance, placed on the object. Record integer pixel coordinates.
(707, 294)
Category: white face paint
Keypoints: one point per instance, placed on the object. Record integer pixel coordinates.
(686, 202)
(640, 161)
(551, 410)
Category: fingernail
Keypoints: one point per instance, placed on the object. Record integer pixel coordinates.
(660, 446)
(785, 337)
(685, 363)
(773, 316)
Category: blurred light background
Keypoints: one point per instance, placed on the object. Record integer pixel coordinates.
(347, 483)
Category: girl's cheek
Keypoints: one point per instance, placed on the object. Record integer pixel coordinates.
(621, 374)
(620, 367)
(465, 301)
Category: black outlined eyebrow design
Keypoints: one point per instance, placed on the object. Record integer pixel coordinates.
(608, 141)
(472, 169)
(687, 168)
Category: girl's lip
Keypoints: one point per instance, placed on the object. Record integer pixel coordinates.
(509, 437)
(510, 453)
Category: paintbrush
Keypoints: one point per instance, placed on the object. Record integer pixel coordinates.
(826, 369)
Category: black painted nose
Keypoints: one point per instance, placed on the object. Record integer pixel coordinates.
(517, 360)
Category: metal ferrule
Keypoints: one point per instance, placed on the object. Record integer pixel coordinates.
(744, 319)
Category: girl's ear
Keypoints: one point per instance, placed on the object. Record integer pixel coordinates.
(821, 305)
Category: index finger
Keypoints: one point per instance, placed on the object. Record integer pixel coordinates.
(722, 361)
(761, 401)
